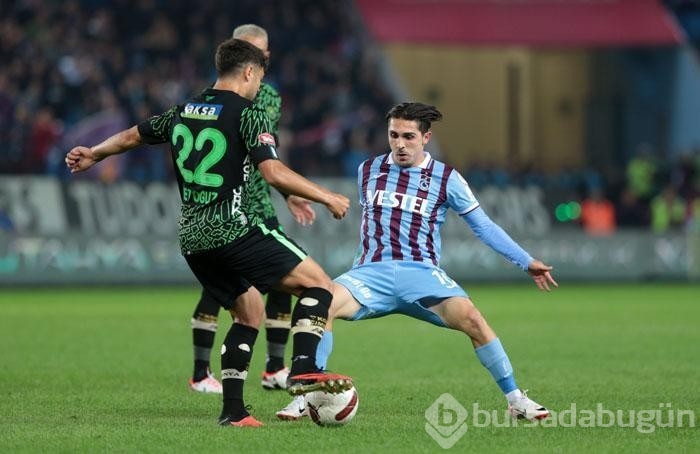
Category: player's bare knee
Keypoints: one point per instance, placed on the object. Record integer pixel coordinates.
(470, 319)
(249, 313)
(475, 319)
(318, 278)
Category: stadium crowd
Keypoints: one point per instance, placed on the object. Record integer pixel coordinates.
(79, 70)
(645, 192)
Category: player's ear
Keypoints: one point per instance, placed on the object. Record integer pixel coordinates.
(426, 137)
(249, 72)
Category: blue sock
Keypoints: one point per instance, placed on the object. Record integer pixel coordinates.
(324, 349)
(494, 358)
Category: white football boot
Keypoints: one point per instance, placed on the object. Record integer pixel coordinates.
(275, 380)
(525, 408)
(295, 410)
(208, 385)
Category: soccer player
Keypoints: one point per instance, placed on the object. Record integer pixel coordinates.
(405, 195)
(278, 310)
(218, 139)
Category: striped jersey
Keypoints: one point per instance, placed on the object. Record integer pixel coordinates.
(404, 208)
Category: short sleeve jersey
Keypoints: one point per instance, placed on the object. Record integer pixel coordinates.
(216, 140)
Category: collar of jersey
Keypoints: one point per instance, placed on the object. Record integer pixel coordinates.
(422, 165)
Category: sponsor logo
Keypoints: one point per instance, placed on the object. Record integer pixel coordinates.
(267, 139)
(378, 176)
(202, 111)
(397, 200)
(234, 373)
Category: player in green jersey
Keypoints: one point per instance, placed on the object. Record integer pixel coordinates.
(278, 310)
(219, 139)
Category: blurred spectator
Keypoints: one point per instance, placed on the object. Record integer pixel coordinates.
(598, 214)
(694, 217)
(358, 152)
(6, 223)
(685, 176)
(631, 212)
(45, 132)
(641, 172)
(667, 210)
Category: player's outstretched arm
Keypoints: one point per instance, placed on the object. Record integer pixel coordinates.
(82, 158)
(541, 274)
(288, 181)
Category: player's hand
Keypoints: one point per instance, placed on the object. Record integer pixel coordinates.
(301, 209)
(80, 159)
(541, 274)
(338, 204)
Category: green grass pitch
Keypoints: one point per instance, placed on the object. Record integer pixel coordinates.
(105, 370)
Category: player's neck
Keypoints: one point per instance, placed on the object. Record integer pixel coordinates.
(234, 85)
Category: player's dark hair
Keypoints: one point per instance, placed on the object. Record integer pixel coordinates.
(416, 111)
(233, 54)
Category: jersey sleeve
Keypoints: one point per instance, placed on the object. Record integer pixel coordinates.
(492, 235)
(459, 195)
(157, 129)
(257, 134)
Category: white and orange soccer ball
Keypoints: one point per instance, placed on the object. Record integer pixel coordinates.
(326, 409)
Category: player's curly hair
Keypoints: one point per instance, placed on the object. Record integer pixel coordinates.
(233, 54)
(424, 114)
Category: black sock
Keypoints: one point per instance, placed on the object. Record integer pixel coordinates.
(278, 312)
(235, 360)
(204, 324)
(201, 370)
(312, 311)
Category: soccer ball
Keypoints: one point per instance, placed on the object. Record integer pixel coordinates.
(326, 409)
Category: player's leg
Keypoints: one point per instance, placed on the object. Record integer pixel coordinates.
(273, 260)
(360, 293)
(460, 313)
(429, 294)
(204, 324)
(216, 270)
(297, 407)
(278, 314)
(236, 353)
(310, 313)
(324, 349)
(344, 305)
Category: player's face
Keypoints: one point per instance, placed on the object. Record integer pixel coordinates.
(407, 142)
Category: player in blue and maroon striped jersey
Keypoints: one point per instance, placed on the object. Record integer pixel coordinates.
(405, 195)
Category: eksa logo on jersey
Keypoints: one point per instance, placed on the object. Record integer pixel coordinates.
(202, 111)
